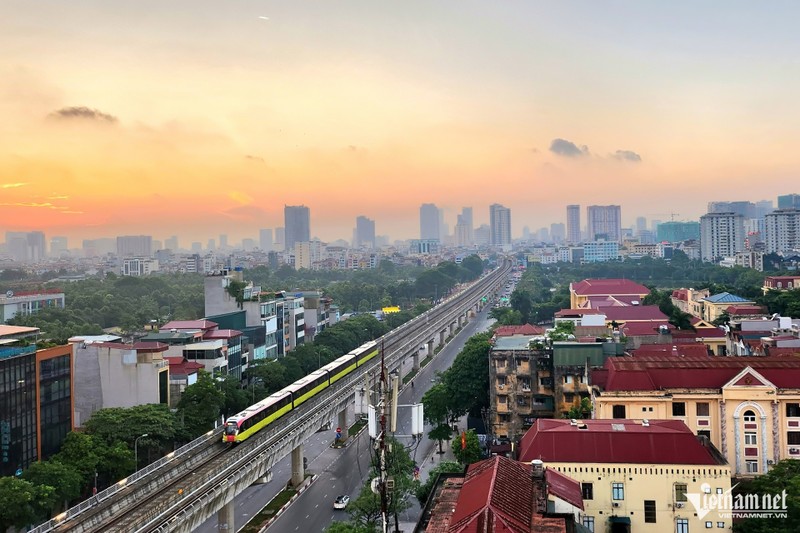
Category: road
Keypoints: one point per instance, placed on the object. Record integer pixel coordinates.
(344, 471)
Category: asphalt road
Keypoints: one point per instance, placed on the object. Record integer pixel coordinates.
(344, 471)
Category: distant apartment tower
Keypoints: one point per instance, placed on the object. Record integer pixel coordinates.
(465, 233)
(573, 224)
(135, 246)
(297, 224)
(500, 225)
(744, 208)
(782, 231)
(171, 243)
(483, 235)
(365, 232)
(280, 238)
(26, 247)
(265, 240)
(429, 223)
(721, 235)
(604, 222)
(789, 201)
(558, 232)
(59, 246)
(678, 231)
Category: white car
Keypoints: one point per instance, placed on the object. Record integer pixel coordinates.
(341, 501)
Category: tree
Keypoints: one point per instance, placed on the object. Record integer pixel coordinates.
(467, 448)
(474, 265)
(23, 503)
(270, 373)
(563, 331)
(436, 407)
(125, 424)
(522, 302)
(783, 476)
(365, 510)
(347, 527)
(467, 379)
(446, 467)
(581, 411)
(64, 479)
(90, 455)
(200, 406)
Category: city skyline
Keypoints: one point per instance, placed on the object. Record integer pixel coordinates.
(196, 119)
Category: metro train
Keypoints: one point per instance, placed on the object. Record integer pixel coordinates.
(242, 426)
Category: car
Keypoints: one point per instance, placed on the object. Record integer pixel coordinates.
(341, 501)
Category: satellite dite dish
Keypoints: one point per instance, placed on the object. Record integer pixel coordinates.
(9, 294)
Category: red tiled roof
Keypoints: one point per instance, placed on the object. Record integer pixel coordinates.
(564, 487)
(613, 441)
(180, 366)
(497, 490)
(681, 294)
(222, 334)
(577, 312)
(608, 287)
(143, 347)
(640, 329)
(746, 309)
(669, 372)
(774, 351)
(188, 324)
(601, 302)
(527, 329)
(637, 312)
(657, 351)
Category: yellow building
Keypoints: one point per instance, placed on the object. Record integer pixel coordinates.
(596, 293)
(749, 407)
(634, 476)
(714, 305)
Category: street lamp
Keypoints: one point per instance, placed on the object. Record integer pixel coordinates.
(136, 449)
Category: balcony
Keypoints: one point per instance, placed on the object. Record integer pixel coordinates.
(502, 407)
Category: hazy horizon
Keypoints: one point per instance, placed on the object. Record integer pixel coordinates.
(204, 118)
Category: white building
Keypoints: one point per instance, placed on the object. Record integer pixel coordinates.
(27, 303)
(600, 251)
(500, 225)
(604, 222)
(138, 266)
(782, 231)
(721, 235)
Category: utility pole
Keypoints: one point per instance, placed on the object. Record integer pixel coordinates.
(384, 411)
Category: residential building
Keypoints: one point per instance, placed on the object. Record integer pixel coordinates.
(297, 225)
(600, 251)
(500, 225)
(634, 475)
(113, 374)
(24, 303)
(429, 223)
(748, 259)
(690, 300)
(716, 304)
(721, 235)
(780, 283)
(59, 246)
(749, 407)
(483, 235)
(678, 231)
(573, 224)
(365, 232)
(744, 208)
(280, 238)
(782, 231)
(171, 243)
(139, 266)
(503, 495)
(789, 201)
(26, 247)
(36, 411)
(591, 293)
(424, 246)
(465, 234)
(135, 246)
(558, 232)
(265, 239)
(604, 222)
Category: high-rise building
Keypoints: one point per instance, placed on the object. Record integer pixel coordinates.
(223, 242)
(558, 232)
(135, 246)
(483, 235)
(429, 223)
(721, 235)
(500, 225)
(465, 232)
(604, 222)
(297, 224)
(573, 224)
(265, 240)
(59, 246)
(171, 243)
(280, 238)
(678, 231)
(641, 225)
(365, 232)
(789, 201)
(782, 231)
(744, 208)
(26, 247)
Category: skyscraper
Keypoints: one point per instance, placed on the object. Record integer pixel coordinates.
(25, 247)
(429, 222)
(721, 235)
(782, 231)
(365, 232)
(297, 224)
(789, 201)
(604, 222)
(58, 245)
(265, 240)
(280, 238)
(465, 233)
(558, 232)
(573, 224)
(135, 246)
(500, 225)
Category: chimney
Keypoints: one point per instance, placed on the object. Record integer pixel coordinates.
(537, 469)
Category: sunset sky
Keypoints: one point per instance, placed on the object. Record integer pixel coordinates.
(198, 118)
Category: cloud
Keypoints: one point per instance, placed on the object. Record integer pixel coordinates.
(12, 185)
(83, 113)
(44, 205)
(255, 158)
(627, 155)
(568, 148)
(245, 213)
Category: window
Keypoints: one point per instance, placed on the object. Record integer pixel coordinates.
(752, 467)
(750, 438)
(567, 379)
(617, 491)
(793, 409)
(793, 438)
(680, 492)
(702, 409)
(650, 511)
(569, 397)
(704, 433)
(618, 411)
(721, 525)
(749, 416)
(501, 399)
(678, 409)
(588, 523)
(682, 525)
(709, 525)
(587, 491)
(501, 381)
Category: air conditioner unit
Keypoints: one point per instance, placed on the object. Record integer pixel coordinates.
(680, 505)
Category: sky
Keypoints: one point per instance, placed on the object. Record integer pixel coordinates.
(198, 118)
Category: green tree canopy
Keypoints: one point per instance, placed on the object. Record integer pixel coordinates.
(23, 503)
(200, 406)
(469, 451)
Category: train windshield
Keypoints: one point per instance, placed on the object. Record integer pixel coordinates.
(231, 428)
